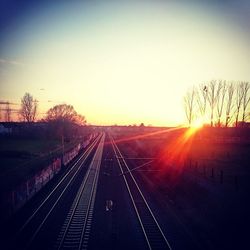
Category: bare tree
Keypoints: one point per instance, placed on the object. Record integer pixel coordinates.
(212, 99)
(219, 97)
(239, 100)
(29, 107)
(7, 112)
(229, 102)
(221, 92)
(246, 100)
(189, 105)
(201, 98)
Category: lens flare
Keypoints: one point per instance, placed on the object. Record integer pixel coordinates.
(176, 153)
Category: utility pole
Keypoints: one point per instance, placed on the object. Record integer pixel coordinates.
(7, 112)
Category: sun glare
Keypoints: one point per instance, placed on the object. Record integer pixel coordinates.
(198, 123)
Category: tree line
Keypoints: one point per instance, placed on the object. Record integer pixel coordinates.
(219, 102)
(28, 112)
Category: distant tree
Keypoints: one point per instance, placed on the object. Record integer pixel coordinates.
(80, 120)
(189, 105)
(62, 118)
(28, 110)
(221, 92)
(229, 102)
(219, 98)
(212, 98)
(239, 100)
(201, 98)
(245, 101)
(62, 112)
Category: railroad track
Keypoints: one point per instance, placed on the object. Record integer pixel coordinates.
(151, 229)
(28, 232)
(75, 231)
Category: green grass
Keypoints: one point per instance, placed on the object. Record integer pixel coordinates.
(35, 146)
(22, 158)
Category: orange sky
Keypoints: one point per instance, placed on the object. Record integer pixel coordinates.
(121, 63)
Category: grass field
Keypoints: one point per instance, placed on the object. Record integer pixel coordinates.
(21, 158)
(15, 152)
(32, 146)
(226, 160)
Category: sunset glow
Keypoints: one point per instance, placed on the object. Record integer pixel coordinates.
(120, 63)
(198, 123)
(139, 108)
(175, 155)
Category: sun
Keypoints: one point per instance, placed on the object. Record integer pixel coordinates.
(193, 128)
(198, 123)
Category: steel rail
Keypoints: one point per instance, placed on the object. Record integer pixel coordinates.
(84, 155)
(76, 167)
(146, 226)
(74, 233)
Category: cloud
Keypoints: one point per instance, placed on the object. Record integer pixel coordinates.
(11, 62)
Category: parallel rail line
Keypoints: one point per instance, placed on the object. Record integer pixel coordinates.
(75, 231)
(49, 203)
(151, 229)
